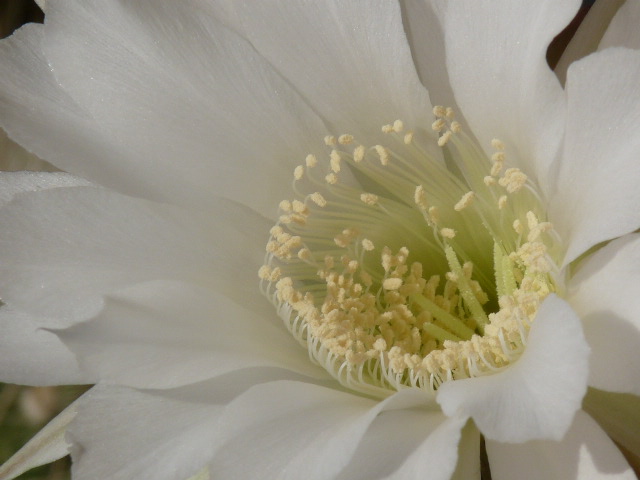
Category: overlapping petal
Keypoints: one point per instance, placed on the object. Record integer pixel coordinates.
(163, 334)
(584, 452)
(535, 397)
(495, 52)
(605, 292)
(73, 245)
(361, 44)
(595, 196)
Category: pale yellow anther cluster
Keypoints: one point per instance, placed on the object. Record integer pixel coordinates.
(293, 212)
(381, 318)
(369, 198)
(444, 124)
(344, 238)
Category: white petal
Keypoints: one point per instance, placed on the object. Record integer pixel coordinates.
(588, 35)
(279, 421)
(596, 194)
(331, 450)
(618, 414)
(469, 467)
(350, 60)
(33, 356)
(198, 114)
(164, 334)
(606, 294)
(496, 59)
(12, 183)
(14, 158)
(390, 439)
(623, 30)
(46, 446)
(427, 41)
(63, 248)
(584, 453)
(39, 115)
(537, 396)
(122, 433)
(436, 458)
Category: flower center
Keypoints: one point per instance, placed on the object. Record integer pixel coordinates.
(413, 263)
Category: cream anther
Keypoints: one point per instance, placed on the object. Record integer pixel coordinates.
(298, 172)
(489, 180)
(392, 283)
(439, 111)
(518, 227)
(311, 161)
(449, 113)
(420, 197)
(369, 198)
(318, 199)
(456, 127)
(497, 144)
(444, 138)
(367, 244)
(496, 168)
(398, 126)
(513, 180)
(498, 157)
(285, 205)
(331, 178)
(383, 154)
(408, 138)
(358, 153)
(330, 141)
(447, 233)
(439, 125)
(334, 161)
(465, 201)
(502, 202)
(345, 139)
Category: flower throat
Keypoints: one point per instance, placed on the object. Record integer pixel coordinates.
(413, 263)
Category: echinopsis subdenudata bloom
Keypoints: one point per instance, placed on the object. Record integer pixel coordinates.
(455, 249)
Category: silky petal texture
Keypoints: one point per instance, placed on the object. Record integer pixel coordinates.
(537, 396)
(390, 439)
(605, 292)
(72, 245)
(121, 433)
(618, 414)
(12, 183)
(496, 59)
(165, 334)
(33, 356)
(588, 35)
(468, 467)
(596, 196)
(427, 41)
(14, 158)
(205, 98)
(359, 46)
(437, 456)
(584, 453)
(48, 445)
(145, 104)
(308, 431)
(623, 30)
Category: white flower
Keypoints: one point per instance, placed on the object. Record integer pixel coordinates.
(450, 271)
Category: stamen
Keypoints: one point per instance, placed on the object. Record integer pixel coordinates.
(454, 286)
